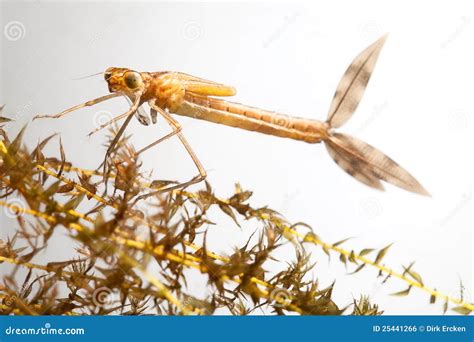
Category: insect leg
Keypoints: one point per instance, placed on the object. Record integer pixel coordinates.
(112, 145)
(130, 111)
(141, 116)
(140, 113)
(169, 135)
(116, 139)
(79, 106)
(176, 131)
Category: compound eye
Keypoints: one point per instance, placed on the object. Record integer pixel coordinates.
(132, 79)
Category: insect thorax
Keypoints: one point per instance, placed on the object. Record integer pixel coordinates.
(168, 92)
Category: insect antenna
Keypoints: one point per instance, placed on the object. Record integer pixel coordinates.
(84, 77)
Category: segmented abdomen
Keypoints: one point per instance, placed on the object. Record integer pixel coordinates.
(255, 119)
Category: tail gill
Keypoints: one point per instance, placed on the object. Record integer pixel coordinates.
(359, 159)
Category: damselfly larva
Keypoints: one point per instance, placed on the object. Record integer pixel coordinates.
(178, 93)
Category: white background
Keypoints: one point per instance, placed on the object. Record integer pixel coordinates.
(287, 57)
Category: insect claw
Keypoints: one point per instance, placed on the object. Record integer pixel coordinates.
(153, 115)
(144, 121)
(98, 128)
(39, 117)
